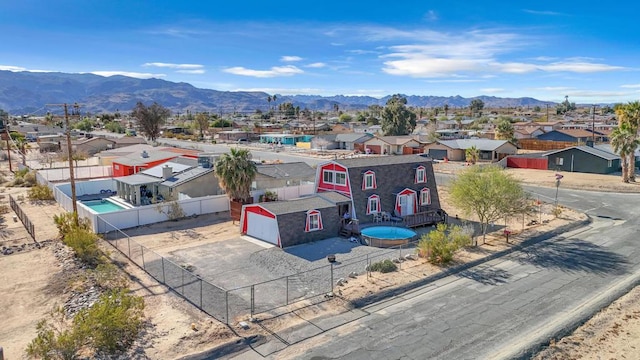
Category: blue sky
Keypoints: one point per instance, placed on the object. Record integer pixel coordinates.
(542, 49)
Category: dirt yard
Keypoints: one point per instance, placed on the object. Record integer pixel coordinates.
(31, 282)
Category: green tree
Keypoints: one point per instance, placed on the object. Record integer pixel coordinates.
(565, 106)
(113, 323)
(221, 123)
(440, 245)
(446, 110)
(476, 107)
(202, 123)
(629, 114)
(345, 118)
(472, 154)
(505, 131)
(624, 142)
(85, 125)
(396, 118)
(151, 118)
(236, 171)
(487, 192)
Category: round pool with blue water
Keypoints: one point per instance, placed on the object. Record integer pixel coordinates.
(387, 236)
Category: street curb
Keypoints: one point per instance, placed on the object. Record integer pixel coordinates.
(576, 318)
(397, 291)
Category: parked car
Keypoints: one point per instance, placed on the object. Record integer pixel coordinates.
(243, 141)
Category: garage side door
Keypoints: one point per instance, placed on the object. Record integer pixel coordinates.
(262, 227)
(438, 154)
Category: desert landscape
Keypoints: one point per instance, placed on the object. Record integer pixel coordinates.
(36, 278)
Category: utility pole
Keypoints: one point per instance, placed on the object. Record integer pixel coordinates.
(70, 156)
(547, 112)
(593, 124)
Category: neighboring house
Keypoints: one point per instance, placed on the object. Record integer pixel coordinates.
(609, 148)
(270, 176)
(392, 145)
(283, 139)
(584, 159)
(579, 136)
(547, 126)
(127, 141)
(177, 179)
(455, 150)
(93, 146)
(344, 141)
(233, 135)
(527, 132)
(135, 162)
(297, 221)
(108, 156)
(404, 185)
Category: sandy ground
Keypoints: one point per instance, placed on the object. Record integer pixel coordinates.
(177, 328)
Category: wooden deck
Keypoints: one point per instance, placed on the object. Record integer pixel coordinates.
(425, 218)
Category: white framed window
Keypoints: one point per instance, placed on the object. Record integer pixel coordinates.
(559, 161)
(369, 180)
(327, 176)
(373, 204)
(610, 163)
(425, 196)
(334, 177)
(314, 221)
(421, 175)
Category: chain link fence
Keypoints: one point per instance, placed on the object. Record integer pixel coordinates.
(230, 305)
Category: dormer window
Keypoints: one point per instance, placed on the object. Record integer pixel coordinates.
(369, 180)
(421, 175)
(373, 204)
(314, 221)
(425, 197)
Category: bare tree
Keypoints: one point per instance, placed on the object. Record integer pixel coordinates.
(151, 118)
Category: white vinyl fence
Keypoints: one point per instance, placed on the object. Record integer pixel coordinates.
(286, 193)
(89, 172)
(128, 218)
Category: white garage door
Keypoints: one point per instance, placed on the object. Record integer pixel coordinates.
(262, 227)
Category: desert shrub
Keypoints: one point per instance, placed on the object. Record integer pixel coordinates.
(55, 339)
(84, 244)
(108, 276)
(439, 246)
(40, 192)
(385, 266)
(24, 177)
(65, 223)
(174, 211)
(113, 323)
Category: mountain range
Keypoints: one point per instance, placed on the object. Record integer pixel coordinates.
(35, 93)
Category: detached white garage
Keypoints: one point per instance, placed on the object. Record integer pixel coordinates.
(260, 223)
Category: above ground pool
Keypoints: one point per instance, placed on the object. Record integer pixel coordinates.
(387, 236)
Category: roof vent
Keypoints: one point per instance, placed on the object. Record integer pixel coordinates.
(167, 172)
(144, 154)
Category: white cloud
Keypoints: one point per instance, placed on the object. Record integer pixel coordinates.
(290, 58)
(579, 67)
(283, 91)
(554, 88)
(128, 73)
(542, 12)
(316, 65)
(492, 90)
(276, 71)
(362, 52)
(597, 94)
(12, 68)
(174, 66)
(195, 71)
(631, 86)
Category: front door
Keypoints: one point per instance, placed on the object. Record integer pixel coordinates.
(406, 204)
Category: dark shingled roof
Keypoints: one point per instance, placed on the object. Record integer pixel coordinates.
(316, 201)
(370, 160)
(286, 170)
(588, 149)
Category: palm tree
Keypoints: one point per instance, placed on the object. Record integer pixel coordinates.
(630, 114)
(472, 154)
(236, 172)
(446, 109)
(269, 99)
(624, 141)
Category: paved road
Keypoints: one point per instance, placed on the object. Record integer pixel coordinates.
(498, 309)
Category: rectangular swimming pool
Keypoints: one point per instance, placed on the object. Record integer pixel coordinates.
(102, 206)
